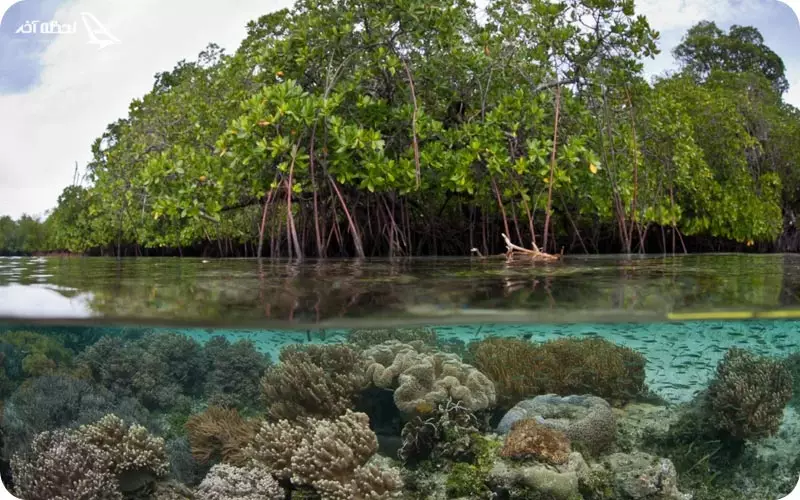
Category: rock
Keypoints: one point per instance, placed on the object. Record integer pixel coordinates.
(640, 475)
(637, 422)
(588, 421)
(558, 483)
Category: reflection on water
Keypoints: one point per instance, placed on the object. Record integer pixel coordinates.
(656, 410)
(341, 293)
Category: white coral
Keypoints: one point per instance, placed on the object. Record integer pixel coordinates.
(227, 482)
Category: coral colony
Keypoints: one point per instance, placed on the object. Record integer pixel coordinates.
(381, 414)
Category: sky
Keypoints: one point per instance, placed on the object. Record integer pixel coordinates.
(59, 91)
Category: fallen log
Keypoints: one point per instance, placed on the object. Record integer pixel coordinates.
(535, 255)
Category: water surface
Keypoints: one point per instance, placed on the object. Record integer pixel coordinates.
(413, 291)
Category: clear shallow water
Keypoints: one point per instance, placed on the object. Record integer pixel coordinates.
(415, 291)
(204, 356)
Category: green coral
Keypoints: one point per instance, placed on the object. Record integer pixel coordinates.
(470, 479)
(521, 369)
(598, 485)
(40, 354)
(465, 480)
(234, 371)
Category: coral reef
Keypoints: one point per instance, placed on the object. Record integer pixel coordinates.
(25, 354)
(61, 468)
(449, 432)
(128, 448)
(53, 402)
(540, 481)
(792, 363)
(220, 434)
(422, 379)
(183, 466)
(328, 455)
(102, 460)
(313, 381)
(587, 421)
(642, 476)
(161, 370)
(594, 366)
(228, 482)
(528, 439)
(748, 395)
(233, 372)
(366, 338)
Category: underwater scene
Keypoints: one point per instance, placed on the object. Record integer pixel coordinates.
(444, 406)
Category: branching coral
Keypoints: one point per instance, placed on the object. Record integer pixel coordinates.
(749, 394)
(60, 468)
(421, 380)
(128, 448)
(53, 402)
(227, 482)
(594, 366)
(275, 444)
(220, 433)
(328, 455)
(234, 370)
(91, 462)
(528, 439)
(313, 381)
(792, 363)
(159, 369)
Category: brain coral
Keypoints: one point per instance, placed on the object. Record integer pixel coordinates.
(586, 420)
(423, 379)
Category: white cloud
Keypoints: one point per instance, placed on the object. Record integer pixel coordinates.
(667, 15)
(83, 89)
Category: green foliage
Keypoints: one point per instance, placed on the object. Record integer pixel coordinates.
(400, 127)
(706, 48)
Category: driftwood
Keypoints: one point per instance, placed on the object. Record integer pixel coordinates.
(535, 255)
(514, 251)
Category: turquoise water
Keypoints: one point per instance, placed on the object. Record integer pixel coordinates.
(70, 378)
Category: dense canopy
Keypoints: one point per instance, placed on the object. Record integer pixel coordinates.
(411, 127)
